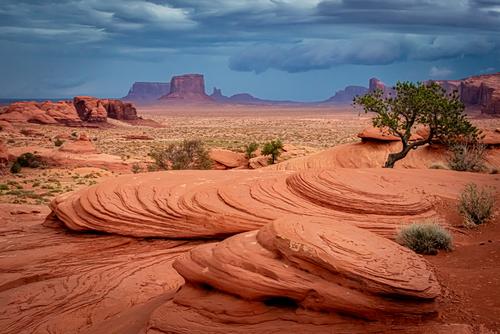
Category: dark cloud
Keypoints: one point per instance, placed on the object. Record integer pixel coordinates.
(253, 35)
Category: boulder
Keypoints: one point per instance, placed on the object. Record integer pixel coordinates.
(226, 159)
(316, 273)
(120, 110)
(82, 145)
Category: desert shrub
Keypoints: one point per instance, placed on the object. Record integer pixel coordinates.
(476, 205)
(15, 168)
(424, 238)
(58, 142)
(136, 168)
(438, 165)
(74, 134)
(30, 160)
(250, 150)
(467, 156)
(273, 149)
(189, 154)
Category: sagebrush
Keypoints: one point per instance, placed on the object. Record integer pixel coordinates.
(189, 154)
(425, 238)
(476, 205)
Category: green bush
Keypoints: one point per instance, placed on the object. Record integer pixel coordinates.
(476, 205)
(58, 142)
(424, 238)
(30, 160)
(15, 168)
(250, 150)
(468, 156)
(136, 168)
(189, 154)
(274, 149)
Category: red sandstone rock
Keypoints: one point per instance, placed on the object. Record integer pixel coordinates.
(309, 270)
(377, 134)
(193, 204)
(4, 156)
(82, 145)
(120, 110)
(6, 126)
(90, 109)
(187, 88)
(226, 159)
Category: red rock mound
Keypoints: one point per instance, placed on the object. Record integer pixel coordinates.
(4, 157)
(226, 159)
(43, 113)
(90, 109)
(300, 273)
(82, 145)
(193, 204)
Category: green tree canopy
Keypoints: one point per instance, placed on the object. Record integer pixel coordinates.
(425, 104)
(273, 148)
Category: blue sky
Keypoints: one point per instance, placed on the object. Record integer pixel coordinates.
(276, 49)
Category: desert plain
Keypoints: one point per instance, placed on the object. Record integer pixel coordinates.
(90, 245)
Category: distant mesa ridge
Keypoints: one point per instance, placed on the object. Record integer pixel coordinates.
(482, 91)
(147, 91)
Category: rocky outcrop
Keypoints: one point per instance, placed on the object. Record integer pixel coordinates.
(90, 109)
(82, 145)
(4, 157)
(194, 204)
(187, 88)
(309, 271)
(376, 84)
(382, 135)
(62, 112)
(226, 159)
(346, 95)
(120, 110)
(147, 91)
(82, 110)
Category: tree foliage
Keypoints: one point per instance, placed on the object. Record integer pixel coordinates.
(274, 149)
(250, 150)
(425, 104)
(189, 154)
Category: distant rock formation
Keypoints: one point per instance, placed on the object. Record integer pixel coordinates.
(480, 90)
(375, 84)
(82, 110)
(346, 95)
(187, 88)
(90, 109)
(62, 112)
(245, 99)
(147, 91)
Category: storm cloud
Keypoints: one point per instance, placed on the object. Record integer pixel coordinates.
(255, 36)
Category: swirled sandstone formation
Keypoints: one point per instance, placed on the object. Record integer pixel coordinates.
(191, 204)
(301, 273)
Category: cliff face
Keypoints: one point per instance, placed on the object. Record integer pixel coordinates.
(480, 90)
(187, 88)
(120, 110)
(375, 84)
(147, 91)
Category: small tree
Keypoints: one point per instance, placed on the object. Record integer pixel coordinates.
(189, 154)
(274, 149)
(418, 104)
(250, 150)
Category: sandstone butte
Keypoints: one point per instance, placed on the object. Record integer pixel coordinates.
(82, 110)
(187, 88)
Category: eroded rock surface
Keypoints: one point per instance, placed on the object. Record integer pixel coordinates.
(300, 273)
(193, 204)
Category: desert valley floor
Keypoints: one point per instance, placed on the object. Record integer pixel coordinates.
(95, 243)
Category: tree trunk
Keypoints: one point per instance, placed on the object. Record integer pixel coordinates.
(393, 157)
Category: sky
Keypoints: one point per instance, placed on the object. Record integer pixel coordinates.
(301, 50)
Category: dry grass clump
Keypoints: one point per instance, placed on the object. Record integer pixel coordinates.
(476, 205)
(467, 156)
(425, 238)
